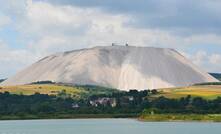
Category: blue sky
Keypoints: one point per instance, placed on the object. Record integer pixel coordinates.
(32, 29)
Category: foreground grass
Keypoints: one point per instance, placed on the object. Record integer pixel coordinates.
(204, 91)
(181, 117)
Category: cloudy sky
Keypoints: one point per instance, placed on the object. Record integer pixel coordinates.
(32, 29)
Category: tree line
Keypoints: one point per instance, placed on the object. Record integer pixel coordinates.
(132, 102)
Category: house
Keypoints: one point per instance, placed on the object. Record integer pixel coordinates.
(130, 98)
(104, 101)
(74, 105)
(93, 103)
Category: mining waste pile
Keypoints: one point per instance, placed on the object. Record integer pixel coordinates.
(121, 67)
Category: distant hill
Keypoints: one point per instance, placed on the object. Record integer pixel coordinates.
(1, 80)
(216, 75)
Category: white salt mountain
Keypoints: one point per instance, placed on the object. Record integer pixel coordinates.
(121, 67)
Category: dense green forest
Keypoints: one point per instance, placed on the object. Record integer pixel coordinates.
(117, 104)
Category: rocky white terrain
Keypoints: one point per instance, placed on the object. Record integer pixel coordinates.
(122, 67)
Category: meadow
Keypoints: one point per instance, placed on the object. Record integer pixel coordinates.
(76, 92)
(49, 89)
(171, 107)
(181, 117)
(204, 91)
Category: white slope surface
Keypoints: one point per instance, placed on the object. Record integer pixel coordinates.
(122, 67)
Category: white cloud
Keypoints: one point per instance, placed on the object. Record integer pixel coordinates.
(204, 39)
(4, 20)
(12, 60)
(215, 62)
(215, 59)
(93, 26)
(48, 28)
(85, 26)
(199, 58)
(208, 62)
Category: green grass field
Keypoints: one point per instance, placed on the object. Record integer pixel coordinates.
(49, 89)
(181, 117)
(205, 91)
(55, 89)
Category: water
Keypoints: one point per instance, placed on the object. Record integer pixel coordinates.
(106, 126)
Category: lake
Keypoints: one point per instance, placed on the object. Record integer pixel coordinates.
(106, 126)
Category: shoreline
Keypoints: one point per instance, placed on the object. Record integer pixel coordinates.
(180, 118)
(68, 116)
(207, 118)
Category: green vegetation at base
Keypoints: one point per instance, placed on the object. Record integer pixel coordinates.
(115, 105)
(84, 91)
(65, 116)
(58, 101)
(181, 117)
(76, 92)
(208, 83)
(90, 90)
(184, 105)
(43, 82)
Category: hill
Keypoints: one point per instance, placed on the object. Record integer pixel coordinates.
(77, 92)
(1, 80)
(205, 91)
(121, 67)
(216, 75)
(79, 102)
(82, 92)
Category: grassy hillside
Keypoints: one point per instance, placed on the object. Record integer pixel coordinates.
(205, 91)
(1, 80)
(54, 89)
(216, 75)
(181, 117)
(150, 105)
